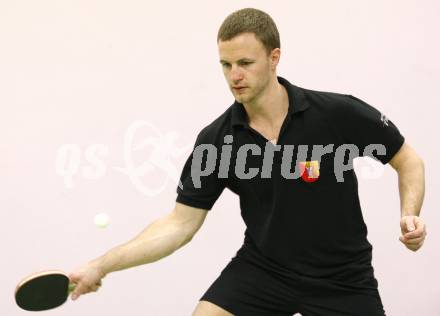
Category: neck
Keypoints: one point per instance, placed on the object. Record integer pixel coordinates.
(270, 108)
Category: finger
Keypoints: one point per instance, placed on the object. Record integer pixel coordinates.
(413, 241)
(417, 220)
(410, 223)
(415, 247)
(75, 295)
(80, 289)
(412, 246)
(414, 234)
(417, 232)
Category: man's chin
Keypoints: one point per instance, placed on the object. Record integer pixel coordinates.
(241, 98)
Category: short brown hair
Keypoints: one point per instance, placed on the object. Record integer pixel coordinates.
(252, 21)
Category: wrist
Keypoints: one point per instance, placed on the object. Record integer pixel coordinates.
(100, 265)
(403, 214)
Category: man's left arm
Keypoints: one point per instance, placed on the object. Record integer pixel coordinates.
(411, 173)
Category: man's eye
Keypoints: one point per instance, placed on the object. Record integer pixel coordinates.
(243, 63)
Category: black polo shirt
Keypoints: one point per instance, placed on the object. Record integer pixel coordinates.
(311, 228)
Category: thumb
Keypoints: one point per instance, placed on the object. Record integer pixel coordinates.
(410, 223)
(79, 289)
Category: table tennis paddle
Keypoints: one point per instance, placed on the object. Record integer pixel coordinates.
(43, 290)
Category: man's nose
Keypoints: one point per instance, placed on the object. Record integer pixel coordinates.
(236, 74)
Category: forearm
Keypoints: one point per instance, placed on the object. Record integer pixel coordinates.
(160, 239)
(411, 187)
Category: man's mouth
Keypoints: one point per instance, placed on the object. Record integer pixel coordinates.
(239, 89)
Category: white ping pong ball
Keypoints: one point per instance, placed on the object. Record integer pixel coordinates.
(101, 220)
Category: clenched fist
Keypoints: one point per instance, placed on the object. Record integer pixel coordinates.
(413, 232)
(88, 278)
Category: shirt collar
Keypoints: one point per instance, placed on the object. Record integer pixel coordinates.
(297, 103)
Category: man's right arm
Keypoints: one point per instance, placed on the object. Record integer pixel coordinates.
(159, 239)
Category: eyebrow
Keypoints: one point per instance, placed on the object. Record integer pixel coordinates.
(240, 60)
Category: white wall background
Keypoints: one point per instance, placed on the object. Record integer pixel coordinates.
(81, 72)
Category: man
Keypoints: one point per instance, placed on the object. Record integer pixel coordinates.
(305, 248)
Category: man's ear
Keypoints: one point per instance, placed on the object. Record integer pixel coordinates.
(275, 58)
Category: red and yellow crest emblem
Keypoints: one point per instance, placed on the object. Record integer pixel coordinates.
(309, 170)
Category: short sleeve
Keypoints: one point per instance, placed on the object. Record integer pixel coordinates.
(204, 191)
(364, 125)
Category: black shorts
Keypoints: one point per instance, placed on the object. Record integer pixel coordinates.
(246, 288)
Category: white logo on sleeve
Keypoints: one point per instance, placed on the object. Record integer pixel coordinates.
(384, 119)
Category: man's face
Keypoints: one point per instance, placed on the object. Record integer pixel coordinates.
(246, 66)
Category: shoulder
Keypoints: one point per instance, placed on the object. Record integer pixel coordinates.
(326, 99)
(323, 96)
(335, 104)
